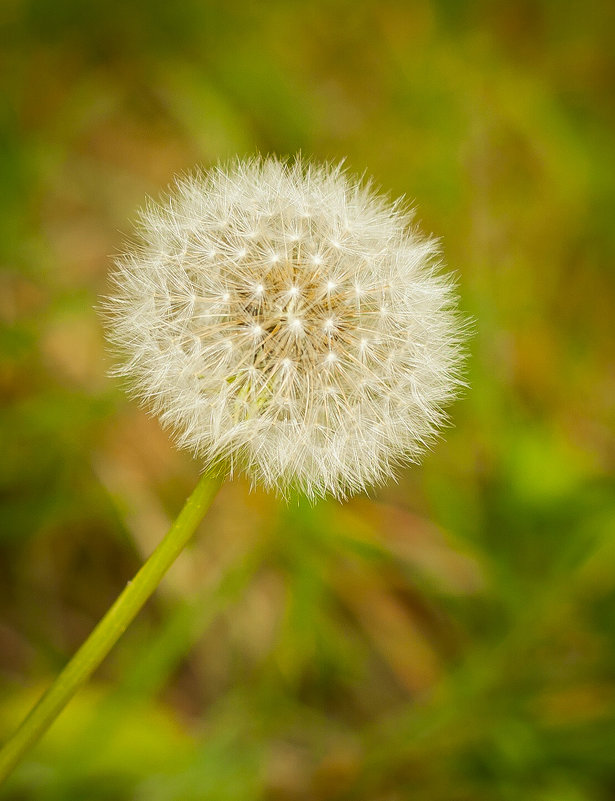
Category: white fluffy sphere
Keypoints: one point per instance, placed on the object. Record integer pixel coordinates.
(287, 319)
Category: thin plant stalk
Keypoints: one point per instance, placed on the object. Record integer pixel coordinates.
(111, 627)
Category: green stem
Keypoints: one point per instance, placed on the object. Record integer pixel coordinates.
(111, 627)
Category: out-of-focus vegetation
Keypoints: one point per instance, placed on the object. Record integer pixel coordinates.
(451, 638)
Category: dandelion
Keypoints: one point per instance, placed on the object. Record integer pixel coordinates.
(290, 321)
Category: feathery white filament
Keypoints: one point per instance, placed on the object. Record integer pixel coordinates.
(287, 318)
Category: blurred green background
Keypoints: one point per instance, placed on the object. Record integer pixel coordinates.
(451, 638)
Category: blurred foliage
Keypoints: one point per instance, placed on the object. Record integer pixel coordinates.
(451, 638)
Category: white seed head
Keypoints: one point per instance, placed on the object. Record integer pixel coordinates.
(289, 320)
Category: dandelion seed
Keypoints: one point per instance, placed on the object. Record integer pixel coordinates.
(329, 379)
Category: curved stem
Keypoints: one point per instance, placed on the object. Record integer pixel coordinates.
(111, 627)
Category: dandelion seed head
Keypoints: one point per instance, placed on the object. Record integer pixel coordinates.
(286, 318)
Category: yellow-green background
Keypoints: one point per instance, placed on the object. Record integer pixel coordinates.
(451, 638)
